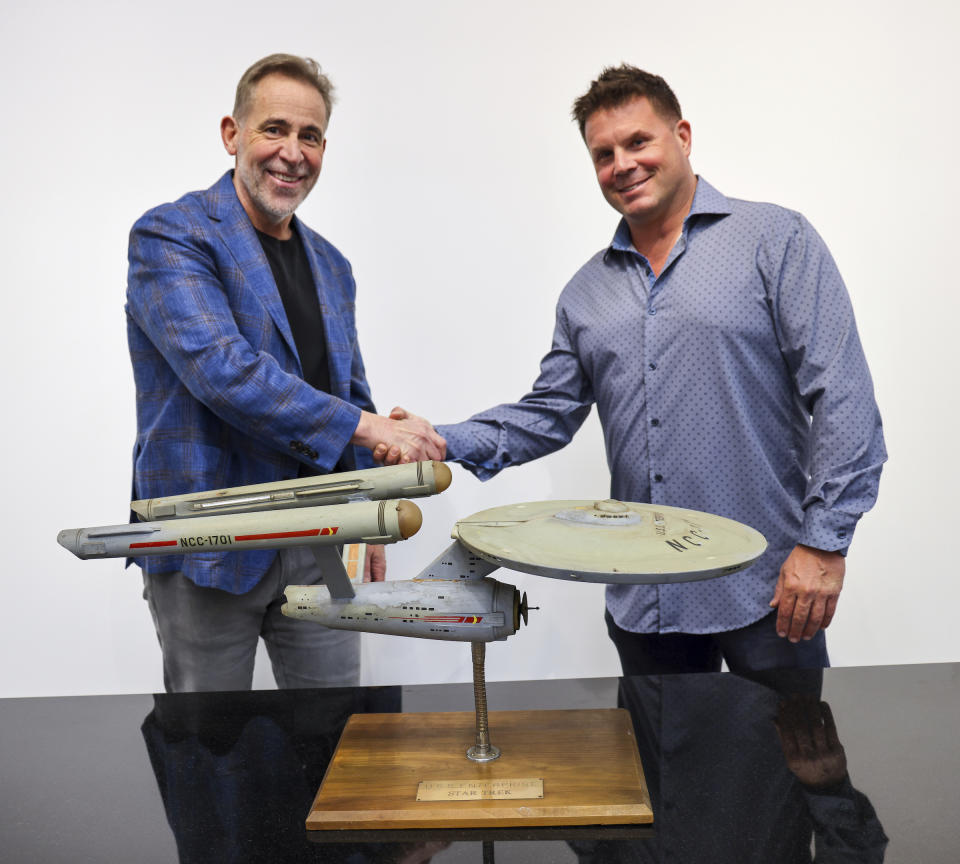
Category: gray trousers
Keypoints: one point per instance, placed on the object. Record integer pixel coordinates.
(209, 637)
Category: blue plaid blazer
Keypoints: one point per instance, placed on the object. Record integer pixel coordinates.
(220, 397)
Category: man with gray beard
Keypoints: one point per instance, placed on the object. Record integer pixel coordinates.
(248, 370)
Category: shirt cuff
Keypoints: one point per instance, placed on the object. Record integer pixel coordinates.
(468, 446)
(829, 530)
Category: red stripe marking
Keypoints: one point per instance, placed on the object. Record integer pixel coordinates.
(153, 545)
(280, 535)
(441, 619)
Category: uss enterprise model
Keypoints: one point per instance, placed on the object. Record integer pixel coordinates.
(453, 597)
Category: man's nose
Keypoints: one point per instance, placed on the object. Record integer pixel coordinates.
(290, 151)
(623, 163)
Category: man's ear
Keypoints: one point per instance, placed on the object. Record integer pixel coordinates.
(685, 135)
(229, 131)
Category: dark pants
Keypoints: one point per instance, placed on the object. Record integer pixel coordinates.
(754, 647)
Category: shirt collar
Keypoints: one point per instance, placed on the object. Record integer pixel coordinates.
(706, 200)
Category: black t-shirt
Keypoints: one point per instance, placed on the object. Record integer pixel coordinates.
(291, 270)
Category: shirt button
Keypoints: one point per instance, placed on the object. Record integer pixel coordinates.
(653, 367)
(657, 478)
(655, 422)
(841, 533)
(652, 311)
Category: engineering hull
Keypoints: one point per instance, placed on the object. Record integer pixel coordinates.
(479, 610)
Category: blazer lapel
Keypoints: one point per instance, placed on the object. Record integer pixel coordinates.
(339, 357)
(240, 237)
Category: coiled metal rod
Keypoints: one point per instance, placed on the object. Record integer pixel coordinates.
(483, 750)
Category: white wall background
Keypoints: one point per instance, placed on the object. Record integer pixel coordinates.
(460, 190)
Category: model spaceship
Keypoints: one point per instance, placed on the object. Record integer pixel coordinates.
(453, 598)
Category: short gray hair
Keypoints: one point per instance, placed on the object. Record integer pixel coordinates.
(304, 69)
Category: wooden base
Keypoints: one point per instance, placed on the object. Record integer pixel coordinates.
(587, 760)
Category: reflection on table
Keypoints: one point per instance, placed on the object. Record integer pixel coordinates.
(742, 771)
(738, 770)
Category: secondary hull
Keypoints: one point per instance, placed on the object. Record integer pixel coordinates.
(480, 610)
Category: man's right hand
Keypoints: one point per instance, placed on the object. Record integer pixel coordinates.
(401, 437)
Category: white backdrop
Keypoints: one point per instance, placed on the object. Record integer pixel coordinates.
(457, 185)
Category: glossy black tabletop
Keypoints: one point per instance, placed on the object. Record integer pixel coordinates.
(859, 765)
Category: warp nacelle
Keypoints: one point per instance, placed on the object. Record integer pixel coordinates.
(362, 522)
(411, 480)
(329, 510)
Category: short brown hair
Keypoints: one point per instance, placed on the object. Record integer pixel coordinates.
(304, 69)
(618, 85)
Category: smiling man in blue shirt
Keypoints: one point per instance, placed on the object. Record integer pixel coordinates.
(718, 342)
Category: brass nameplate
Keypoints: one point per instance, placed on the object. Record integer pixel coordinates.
(479, 790)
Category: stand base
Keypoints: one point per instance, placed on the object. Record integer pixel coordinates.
(587, 761)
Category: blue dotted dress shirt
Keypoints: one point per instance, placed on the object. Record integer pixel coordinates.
(734, 382)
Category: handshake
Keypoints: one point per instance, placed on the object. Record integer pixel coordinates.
(401, 437)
